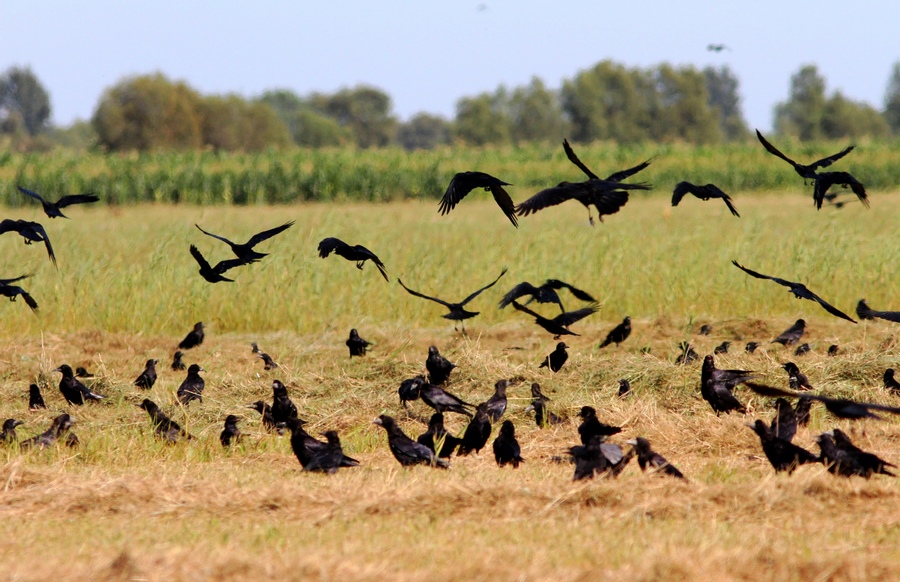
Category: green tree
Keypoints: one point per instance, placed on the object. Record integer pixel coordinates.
(364, 110)
(231, 123)
(483, 119)
(307, 127)
(722, 88)
(24, 103)
(845, 118)
(535, 114)
(423, 132)
(892, 100)
(149, 112)
(681, 109)
(801, 115)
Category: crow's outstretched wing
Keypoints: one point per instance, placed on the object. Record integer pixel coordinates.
(488, 286)
(423, 296)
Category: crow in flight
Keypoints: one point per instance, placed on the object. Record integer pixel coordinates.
(163, 426)
(215, 274)
(806, 172)
(231, 433)
(457, 310)
(438, 366)
(148, 377)
(464, 182)
(717, 48)
(825, 180)
(51, 209)
(703, 193)
(193, 339)
(245, 251)
(506, 447)
(31, 232)
(648, 458)
(799, 290)
(606, 196)
(781, 453)
(559, 325)
(407, 451)
(357, 344)
(546, 293)
(434, 435)
(356, 253)
(618, 334)
(13, 291)
(72, 389)
(192, 387)
(35, 400)
(863, 312)
(840, 407)
(557, 358)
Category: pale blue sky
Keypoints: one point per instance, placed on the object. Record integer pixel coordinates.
(426, 54)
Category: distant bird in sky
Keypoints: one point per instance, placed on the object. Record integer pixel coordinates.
(464, 182)
(438, 366)
(457, 310)
(557, 358)
(245, 251)
(506, 448)
(546, 293)
(650, 459)
(231, 434)
(703, 193)
(31, 232)
(192, 387)
(799, 290)
(558, 325)
(193, 339)
(864, 312)
(215, 274)
(807, 172)
(407, 451)
(357, 253)
(618, 334)
(791, 335)
(717, 48)
(356, 344)
(177, 364)
(147, 378)
(35, 400)
(7, 289)
(72, 389)
(51, 209)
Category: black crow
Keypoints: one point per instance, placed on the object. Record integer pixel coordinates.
(330, 457)
(546, 293)
(73, 390)
(542, 416)
(31, 232)
(457, 310)
(796, 379)
(825, 180)
(840, 407)
(177, 364)
(863, 312)
(434, 435)
(799, 290)
(407, 451)
(192, 387)
(618, 334)
(890, 383)
(254, 348)
(846, 460)
(496, 404)
(464, 182)
(283, 409)
(802, 350)
(357, 344)
(215, 274)
(81, 372)
(58, 430)
(781, 453)
(833, 350)
(801, 411)
(648, 458)
(705, 329)
(703, 193)
(194, 338)
(624, 388)
(268, 362)
(591, 426)
(506, 447)
(791, 335)
(266, 411)
(868, 462)
(8, 436)
(231, 433)
(7, 289)
(35, 400)
(51, 209)
(597, 457)
(751, 346)
(606, 196)
(409, 389)
(537, 394)
(806, 172)
(245, 251)
(357, 253)
(438, 367)
(559, 325)
(477, 432)
(687, 354)
(557, 358)
(716, 386)
(442, 401)
(148, 377)
(784, 425)
(163, 426)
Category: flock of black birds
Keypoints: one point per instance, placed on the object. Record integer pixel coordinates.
(594, 455)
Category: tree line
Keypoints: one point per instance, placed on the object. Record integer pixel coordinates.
(608, 101)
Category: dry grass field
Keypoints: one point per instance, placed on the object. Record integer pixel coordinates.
(124, 506)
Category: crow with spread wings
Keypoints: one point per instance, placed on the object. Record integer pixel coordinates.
(51, 209)
(546, 293)
(457, 310)
(245, 251)
(31, 232)
(559, 325)
(357, 253)
(464, 182)
(703, 193)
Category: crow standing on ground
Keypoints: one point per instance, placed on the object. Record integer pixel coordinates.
(407, 451)
(409, 389)
(438, 367)
(648, 458)
(192, 387)
(784, 425)
(163, 426)
(705, 329)
(8, 436)
(477, 432)
(283, 409)
(51, 209)
(791, 335)
(802, 349)
(890, 383)
(268, 362)
(591, 426)
(751, 347)
(313, 454)
(624, 388)
(781, 453)
(799, 290)
(436, 431)
(703, 193)
(266, 411)
(442, 401)
(245, 251)
(72, 390)
(177, 364)
(542, 416)
(797, 380)
(557, 358)
(82, 373)
(843, 458)
(546, 293)
(868, 462)
(863, 312)
(192, 339)
(7, 289)
(506, 447)
(687, 355)
(536, 393)
(464, 182)
(215, 274)
(231, 433)
(716, 386)
(357, 344)
(618, 334)
(148, 377)
(597, 457)
(31, 232)
(357, 253)
(58, 430)
(457, 310)
(722, 348)
(559, 325)
(833, 350)
(35, 400)
(496, 404)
